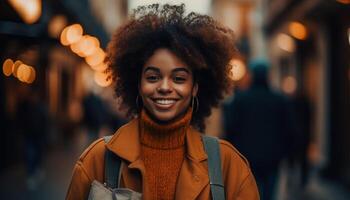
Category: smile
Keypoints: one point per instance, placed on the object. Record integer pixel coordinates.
(165, 101)
(164, 104)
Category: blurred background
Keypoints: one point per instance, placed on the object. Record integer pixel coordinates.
(55, 98)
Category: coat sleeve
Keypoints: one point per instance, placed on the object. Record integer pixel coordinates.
(238, 179)
(80, 184)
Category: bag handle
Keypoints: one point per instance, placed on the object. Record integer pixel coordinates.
(212, 148)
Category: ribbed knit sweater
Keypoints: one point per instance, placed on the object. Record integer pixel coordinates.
(163, 150)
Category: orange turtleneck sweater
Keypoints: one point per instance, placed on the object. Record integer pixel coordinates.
(163, 151)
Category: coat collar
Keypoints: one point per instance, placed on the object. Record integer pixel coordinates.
(193, 176)
(126, 143)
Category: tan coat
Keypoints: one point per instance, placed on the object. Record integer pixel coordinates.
(193, 180)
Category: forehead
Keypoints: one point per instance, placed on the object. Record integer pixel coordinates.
(165, 61)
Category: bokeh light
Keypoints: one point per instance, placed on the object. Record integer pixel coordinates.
(56, 25)
(7, 67)
(63, 37)
(238, 69)
(298, 30)
(74, 33)
(32, 75)
(289, 85)
(23, 73)
(28, 10)
(286, 42)
(15, 67)
(96, 59)
(100, 67)
(86, 46)
(91, 45)
(102, 79)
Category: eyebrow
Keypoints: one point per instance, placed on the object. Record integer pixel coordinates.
(152, 68)
(182, 69)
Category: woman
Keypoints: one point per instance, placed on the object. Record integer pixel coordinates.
(170, 70)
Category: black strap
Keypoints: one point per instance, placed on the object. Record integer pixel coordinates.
(112, 167)
(212, 148)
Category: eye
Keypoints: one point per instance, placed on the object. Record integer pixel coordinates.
(152, 78)
(179, 79)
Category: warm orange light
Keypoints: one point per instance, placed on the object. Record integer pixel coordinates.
(298, 30)
(23, 73)
(63, 37)
(7, 67)
(238, 69)
(32, 75)
(86, 46)
(289, 85)
(286, 42)
(28, 10)
(15, 67)
(100, 67)
(76, 47)
(74, 33)
(56, 25)
(96, 58)
(102, 79)
(344, 1)
(91, 45)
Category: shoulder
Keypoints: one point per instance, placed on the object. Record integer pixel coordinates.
(232, 158)
(91, 161)
(97, 148)
(227, 149)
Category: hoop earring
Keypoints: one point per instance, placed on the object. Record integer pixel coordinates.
(193, 103)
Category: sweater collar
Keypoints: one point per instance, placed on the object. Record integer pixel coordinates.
(163, 136)
(126, 143)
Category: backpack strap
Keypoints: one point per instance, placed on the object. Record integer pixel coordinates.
(212, 148)
(112, 167)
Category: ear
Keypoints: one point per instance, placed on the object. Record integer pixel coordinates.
(195, 90)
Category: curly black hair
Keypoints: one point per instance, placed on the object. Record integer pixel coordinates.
(200, 41)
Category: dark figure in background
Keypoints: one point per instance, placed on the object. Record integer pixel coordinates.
(303, 119)
(260, 124)
(33, 119)
(94, 115)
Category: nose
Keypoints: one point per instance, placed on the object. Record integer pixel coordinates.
(165, 87)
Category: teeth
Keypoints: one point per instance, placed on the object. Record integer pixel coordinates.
(165, 101)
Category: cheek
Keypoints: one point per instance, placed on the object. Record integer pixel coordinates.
(185, 92)
(146, 89)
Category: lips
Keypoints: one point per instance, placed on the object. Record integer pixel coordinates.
(164, 104)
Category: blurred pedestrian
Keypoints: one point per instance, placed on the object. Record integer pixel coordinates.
(33, 117)
(261, 127)
(302, 108)
(171, 69)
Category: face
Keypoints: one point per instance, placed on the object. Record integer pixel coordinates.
(166, 86)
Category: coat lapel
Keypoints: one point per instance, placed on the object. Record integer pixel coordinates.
(126, 142)
(193, 175)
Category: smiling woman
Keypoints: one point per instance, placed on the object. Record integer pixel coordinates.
(165, 63)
